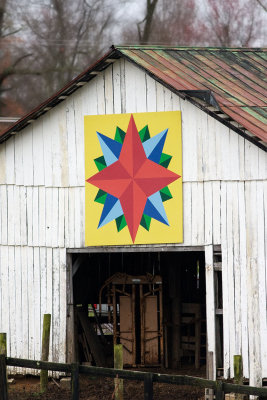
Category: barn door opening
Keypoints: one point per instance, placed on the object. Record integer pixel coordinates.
(153, 303)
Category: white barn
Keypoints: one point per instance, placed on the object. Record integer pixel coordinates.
(221, 94)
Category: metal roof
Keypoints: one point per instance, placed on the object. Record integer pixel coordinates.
(227, 83)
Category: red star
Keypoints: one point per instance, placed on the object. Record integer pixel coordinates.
(133, 178)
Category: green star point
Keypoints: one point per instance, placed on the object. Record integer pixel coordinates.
(121, 223)
(100, 163)
(145, 222)
(101, 197)
(144, 134)
(165, 194)
(165, 160)
(119, 135)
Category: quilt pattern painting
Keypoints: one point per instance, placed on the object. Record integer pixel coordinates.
(133, 172)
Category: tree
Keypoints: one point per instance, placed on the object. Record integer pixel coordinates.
(168, 22)
(63, 37)
(233, 23)
(11, 57)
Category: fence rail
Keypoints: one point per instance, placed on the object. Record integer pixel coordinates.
(220, 388)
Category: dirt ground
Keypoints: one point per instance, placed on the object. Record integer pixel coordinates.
(28, 388)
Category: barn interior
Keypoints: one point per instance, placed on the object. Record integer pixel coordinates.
(153, 303)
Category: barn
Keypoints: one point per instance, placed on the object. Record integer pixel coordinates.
(170, 263)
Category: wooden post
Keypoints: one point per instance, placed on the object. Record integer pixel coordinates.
(118, 364)
(45, 351)
(238, 374)
(148, 386)
(3, 348)
(3, 379)
(75, 381)
(219, 391)
(209, 393)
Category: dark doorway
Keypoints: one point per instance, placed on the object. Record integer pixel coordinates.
(170, 286)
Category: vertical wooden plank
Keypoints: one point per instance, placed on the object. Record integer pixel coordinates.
(108, 78)
(38, 152)
(236, 269)
(100, 92)
(122, 85)
(176, 102)
(243, 273)
(41, 216)
(19, 158)
(216, 212)
(116, 87)
(230, 274)
(80, 112)
(226, 339)
(208, 212)
(37, 304)
(12, 300)
(210, 304)
(55, 208)
(3, 378)
(29, 215)
(77, 218)
(61, 217)
(160, 97)
(17, 214)
(27, 156)
(224, 151)
(189, 130)
(49, 290)
(187, 213)
(23, 216)
(197, 213)
(253, 284)
(251, 160)
(234, 155)
(11, 215)
(82, 217)
(35, 216)
(31, 300)
(241, 157)
(55, 115)
(43, 281)
(151, 105)
(71, 138)
(55, 305)
(3, 163)
(167, 100)
(262, 275)
(48, 216)
(262, 165)
(66, 217)
(0, 217)
(71, 218)
(3, 211)
(10, 161)
(24, 302)
(130, 89)
(63, 305)
(63, 143)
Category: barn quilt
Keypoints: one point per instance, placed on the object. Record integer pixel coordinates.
(133, 173)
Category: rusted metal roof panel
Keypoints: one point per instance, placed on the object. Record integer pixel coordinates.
(236, 78)
(228, 84)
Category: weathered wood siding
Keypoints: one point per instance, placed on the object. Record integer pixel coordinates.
(42, 214)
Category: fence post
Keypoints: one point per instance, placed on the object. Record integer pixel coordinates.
(45, 351)
(3, 379)
(238, 374)
(3, 344)
(118, 364)
(148, 386)
(74, 381)
(219, 391)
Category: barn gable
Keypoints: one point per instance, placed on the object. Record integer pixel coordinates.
(42, 210)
